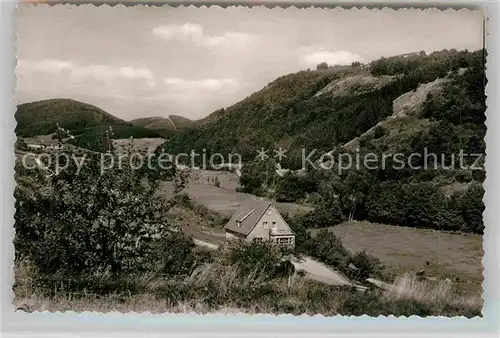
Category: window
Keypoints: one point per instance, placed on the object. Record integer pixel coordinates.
(258, 239)
(274, 224)
(264, 224)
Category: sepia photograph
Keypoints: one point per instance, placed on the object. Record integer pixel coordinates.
(249, 160)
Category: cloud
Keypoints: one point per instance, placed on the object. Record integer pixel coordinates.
(335, 57)
(76, 72)
(230, 39)
(46, 66)
(186, 31)
(109, 73)
(194, 33)
(203, 84)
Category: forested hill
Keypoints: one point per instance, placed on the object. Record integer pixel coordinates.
(42, 117)
(323, 108)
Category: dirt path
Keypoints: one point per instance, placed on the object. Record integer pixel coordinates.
(205, 244)
(320, 272)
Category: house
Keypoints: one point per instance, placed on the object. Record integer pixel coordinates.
(260, 221)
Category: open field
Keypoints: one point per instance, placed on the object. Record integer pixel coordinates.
(404, 249)
(225, 199)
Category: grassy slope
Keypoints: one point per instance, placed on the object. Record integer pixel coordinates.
(165, 126)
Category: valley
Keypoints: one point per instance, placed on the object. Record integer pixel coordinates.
(360, 236)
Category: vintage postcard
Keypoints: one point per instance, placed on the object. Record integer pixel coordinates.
(254, 160)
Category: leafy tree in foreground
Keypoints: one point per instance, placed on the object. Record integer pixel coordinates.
(98, 217)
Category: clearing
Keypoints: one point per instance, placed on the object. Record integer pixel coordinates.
(224, 200)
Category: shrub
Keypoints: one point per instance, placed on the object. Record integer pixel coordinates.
(21, 144)
(365, 265)
(379, 132)
(322, 217)
(328, 248)
(174, 254)
(263, 257)
(301, 235)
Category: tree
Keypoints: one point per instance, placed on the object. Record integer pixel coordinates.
(470, 205)
(292, 187)
(322, 66)
(256, 176)
(323, 216)
(349, 192)
(21, 144)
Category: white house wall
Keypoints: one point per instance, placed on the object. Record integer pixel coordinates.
(273, 216)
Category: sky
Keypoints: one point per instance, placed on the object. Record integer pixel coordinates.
(157, 61)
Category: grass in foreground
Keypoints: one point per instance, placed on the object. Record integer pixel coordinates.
(224, 288)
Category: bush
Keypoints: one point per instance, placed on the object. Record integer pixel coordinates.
(21, 144)
(263, 257)
(365, 265)
(379, 132)
(174, 254)
(328, 248)
(321, 217)
(301, 235)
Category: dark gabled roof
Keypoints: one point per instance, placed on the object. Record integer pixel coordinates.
(247, 215)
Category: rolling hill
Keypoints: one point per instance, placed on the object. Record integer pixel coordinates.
(41, 117)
